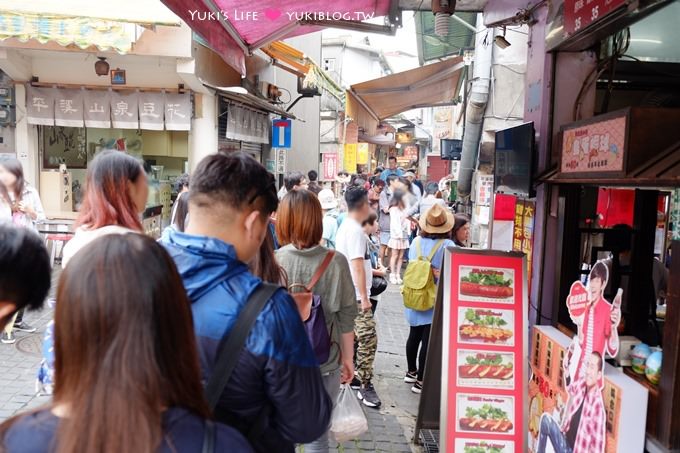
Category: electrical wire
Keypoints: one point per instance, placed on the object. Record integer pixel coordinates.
(290, 96)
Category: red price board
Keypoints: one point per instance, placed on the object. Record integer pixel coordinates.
(578, 14)
(484, 350)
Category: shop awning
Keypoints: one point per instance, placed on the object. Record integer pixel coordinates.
(433, 47)
(82, 23)
(234, 28)
(428, 86)
(141, 12)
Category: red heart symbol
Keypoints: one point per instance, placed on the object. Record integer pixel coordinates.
(577, 301)
(272, 13)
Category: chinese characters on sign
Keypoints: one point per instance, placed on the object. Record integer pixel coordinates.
(102, 109)
(281, 160)
(350, 161)
(596, 147)
(330, 166)
(578, 14)
(362, 153)
(523, 231)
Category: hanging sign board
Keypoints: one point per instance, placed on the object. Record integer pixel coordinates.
(483, 387)
(595, 147)
(362, 153)
(330, 166)
(350, 161)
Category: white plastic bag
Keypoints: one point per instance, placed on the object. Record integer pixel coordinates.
(348, 421)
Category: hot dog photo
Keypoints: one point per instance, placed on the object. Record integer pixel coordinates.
(486, 414)
(485, 326)
(484, 446)
(486, 284)
(486, 369)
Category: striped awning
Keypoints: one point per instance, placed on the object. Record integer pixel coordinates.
(81, 32)
(82, 23)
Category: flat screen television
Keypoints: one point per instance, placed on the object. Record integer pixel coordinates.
(451, 149)
(514, 160)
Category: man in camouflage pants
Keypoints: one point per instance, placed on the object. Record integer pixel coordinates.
(352, 242)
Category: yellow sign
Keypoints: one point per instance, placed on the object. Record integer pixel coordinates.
(350, 161)
(362, 153)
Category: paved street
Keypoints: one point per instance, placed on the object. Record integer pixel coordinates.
(391, 428)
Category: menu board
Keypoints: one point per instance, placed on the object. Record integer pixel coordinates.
(484, 346)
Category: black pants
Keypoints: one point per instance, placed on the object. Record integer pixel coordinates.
(417, 336)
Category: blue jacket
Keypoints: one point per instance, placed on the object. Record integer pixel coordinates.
(277, 370)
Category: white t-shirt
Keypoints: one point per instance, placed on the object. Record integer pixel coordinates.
(352, 242)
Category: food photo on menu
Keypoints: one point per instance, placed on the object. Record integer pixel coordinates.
(481, 369)
(483, 446)
(486, 414)
(486, 285)
(485, 326)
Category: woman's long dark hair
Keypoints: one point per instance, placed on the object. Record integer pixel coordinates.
(182, 211)
(107, 200)
(13, 166)
(265, 266)
(122, 322)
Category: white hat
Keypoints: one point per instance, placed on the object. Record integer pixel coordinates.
(327, 199)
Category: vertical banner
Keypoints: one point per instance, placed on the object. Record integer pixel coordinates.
(178, 112)
(68, 110)
(362, 153)
(330, 166)
(97, 109)
(124, 110)
(151, 111)
(484, 349)
(350, 162)
(40, 106)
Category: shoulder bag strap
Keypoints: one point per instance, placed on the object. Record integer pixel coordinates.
(419, 250)
(228, 355)
(209, 437)
(434, 249)
(319, 272)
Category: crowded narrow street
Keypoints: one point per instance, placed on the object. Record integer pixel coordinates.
(390, 428)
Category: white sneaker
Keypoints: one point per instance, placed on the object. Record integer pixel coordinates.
(393, 279)
(400, 281)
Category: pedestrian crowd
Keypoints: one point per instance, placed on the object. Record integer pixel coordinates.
(236, 330)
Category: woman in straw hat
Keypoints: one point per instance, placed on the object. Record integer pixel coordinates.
(435, 229)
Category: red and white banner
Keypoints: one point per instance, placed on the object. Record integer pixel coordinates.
(330, 165)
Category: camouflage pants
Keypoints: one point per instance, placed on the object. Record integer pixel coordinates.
(367, 344)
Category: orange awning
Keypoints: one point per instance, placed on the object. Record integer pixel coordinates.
(428, 86)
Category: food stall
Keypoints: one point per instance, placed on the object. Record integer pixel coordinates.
(613, 198)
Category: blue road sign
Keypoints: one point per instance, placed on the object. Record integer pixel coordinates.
(281, 133)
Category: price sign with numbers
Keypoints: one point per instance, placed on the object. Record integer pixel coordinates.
(578, 14)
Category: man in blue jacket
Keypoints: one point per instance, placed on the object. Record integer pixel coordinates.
(275, 395)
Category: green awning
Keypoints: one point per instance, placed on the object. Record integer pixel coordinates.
(433, 47)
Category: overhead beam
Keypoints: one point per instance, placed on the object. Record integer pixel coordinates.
(227, 26)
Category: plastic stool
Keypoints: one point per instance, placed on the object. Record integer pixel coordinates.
(57, 239)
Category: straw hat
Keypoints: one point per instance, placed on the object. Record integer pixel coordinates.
(437, 220)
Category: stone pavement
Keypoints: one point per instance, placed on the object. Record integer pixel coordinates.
(390, 428)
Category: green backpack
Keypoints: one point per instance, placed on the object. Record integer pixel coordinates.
(420, 290)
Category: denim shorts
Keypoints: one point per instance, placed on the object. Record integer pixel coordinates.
(384, 237)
